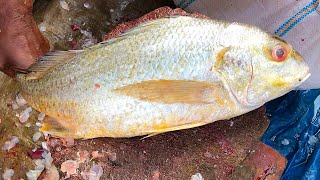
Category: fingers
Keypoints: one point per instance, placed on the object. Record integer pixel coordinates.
(21, 42)
(26, 46)
(8, 72)
(16, 8)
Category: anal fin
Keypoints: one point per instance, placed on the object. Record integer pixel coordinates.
(176, 128)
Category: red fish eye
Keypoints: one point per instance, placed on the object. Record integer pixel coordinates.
(279, 53)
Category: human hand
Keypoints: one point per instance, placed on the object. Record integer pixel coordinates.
(21, 42)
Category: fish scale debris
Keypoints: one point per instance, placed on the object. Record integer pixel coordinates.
(41, 116)
(14, 106)
(44, 145)
(41, 165)
(197, 176)
(35, 173)
(10, 143)
(36, 136)
(87, 5)
(8, 173)
(123, 5)
(24, 115)
(96, 172)
(64, 5)
(285, 142)
(20, 100)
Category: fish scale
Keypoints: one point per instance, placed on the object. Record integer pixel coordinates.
(164, 75)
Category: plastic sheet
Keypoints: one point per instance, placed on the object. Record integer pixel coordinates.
(294, 131)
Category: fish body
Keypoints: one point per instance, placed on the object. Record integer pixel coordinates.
(164, 75)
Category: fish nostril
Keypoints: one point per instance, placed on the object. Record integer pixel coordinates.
(300, 80)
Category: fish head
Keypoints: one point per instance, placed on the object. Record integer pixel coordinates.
(278, 69)
(257, 67)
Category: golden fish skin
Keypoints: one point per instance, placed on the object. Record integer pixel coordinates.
(167, 74)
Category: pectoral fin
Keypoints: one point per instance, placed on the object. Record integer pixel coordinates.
(174, 91)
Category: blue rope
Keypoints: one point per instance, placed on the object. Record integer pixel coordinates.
(188, 4)
(181, 2)
(303, 10)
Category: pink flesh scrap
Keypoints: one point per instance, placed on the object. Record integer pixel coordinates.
(156, 14)
(70, 167)
(96, 154)
(83, 156)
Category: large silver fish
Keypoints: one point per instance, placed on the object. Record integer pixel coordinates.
(164, 75)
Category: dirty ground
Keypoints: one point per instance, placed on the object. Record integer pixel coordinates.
(228, 149)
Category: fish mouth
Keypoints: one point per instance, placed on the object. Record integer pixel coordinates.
(304, 77)
(302, 80)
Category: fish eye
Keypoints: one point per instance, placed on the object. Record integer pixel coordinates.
(279, 53)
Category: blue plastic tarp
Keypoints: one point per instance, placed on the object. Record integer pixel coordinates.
(294, 131)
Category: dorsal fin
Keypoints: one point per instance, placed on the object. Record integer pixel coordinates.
(48, 61)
